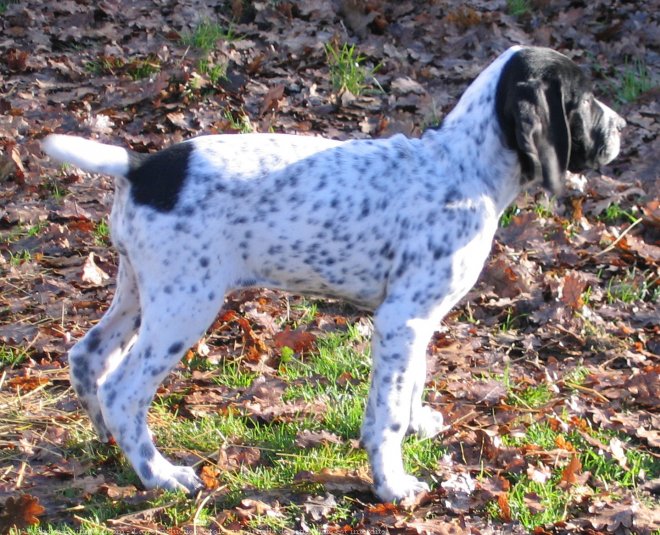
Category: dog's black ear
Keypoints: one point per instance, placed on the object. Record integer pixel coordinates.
(533, 117)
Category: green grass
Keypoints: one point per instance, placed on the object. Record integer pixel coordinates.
(518, 8)
(336, 373)
(35, 230)
(104, 65)
(316, 376)
(238, 121)
(52, 187)
(633, 286)
(102, 233)
(137, 68)
(542, 210)
(532, 397)
(554, 499)
(209, 73)
(614, 213)
(308, 309)
(206, 34)
(20, 232)
(4, 5)
(635, 80)
(21, 257)
(214, 73)
(507, 216)
(234, 376)
(11, 357)
(347, 69)
(576, 377)
(511, 321)
(337, 354)
(142, 68)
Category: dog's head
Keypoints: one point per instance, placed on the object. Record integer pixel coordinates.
(551, 118)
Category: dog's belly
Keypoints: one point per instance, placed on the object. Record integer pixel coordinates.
(348, 269)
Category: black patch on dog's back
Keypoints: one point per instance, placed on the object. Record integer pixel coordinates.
(157, 179)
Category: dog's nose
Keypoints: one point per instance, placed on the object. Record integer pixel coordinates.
(619, 123)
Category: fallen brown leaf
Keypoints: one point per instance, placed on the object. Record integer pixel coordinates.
(27, 383)
(307, 438)
(572, 470)
(505, 508)
(20, 513)
(299, 339)
(344, 481)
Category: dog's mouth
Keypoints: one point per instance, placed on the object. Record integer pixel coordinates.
(610, 149)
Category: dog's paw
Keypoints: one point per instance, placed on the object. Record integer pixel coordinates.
(180, 478)
(400, 489)
(427, 423)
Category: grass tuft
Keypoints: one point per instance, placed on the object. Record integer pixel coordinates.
(518, 8)
(634, 81)
(634, 286)
(206, 34)
(347, 72)
(11, 357)
(614, 213)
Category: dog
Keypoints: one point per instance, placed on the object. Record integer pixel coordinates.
(398, 226)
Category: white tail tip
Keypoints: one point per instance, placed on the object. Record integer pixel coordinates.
(89, 155)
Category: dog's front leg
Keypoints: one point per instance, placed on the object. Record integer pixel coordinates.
(399, 357)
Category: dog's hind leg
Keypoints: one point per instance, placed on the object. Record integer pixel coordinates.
(171, 323)
(103, 347)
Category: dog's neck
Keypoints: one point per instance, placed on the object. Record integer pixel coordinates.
(492, 169)
(495, 167)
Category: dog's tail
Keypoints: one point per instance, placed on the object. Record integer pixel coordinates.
(89, 155)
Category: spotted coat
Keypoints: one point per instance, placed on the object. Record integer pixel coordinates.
(398, 226)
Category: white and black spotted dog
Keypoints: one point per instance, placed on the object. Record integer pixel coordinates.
(399, 226)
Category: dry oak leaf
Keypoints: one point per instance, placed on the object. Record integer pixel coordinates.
(612, 517)
(271, 99)
(117, 492)
(644, 386)
(571, 291)
(505, 509)
(27, 383)
(434, 526)
(255, 345)
(307, 438)
(319, 507)
(343, 481)
(635, 244)
(299, 340)
(233, 457)
(209, 476)
(570, 474)
(651, 212)
(249, 508)
(20, 513)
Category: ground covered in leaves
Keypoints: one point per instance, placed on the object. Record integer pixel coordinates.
(547, 373)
